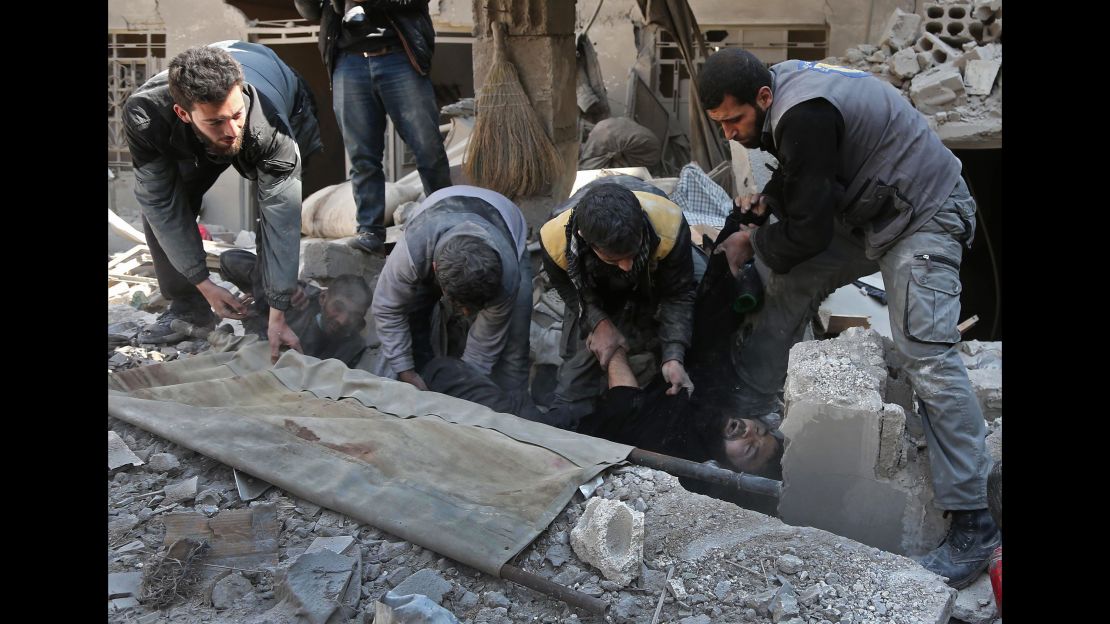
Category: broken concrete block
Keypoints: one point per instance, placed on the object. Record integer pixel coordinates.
(426, 582)
(979, 76)
(410, 609)
(328, 259)
(975, 603)
(314, 583)
(854, 56)
(904, 63)
(938, 89)
(610, 536)
(987, 385)
(925, 60)
(784, 605)
(163, 462)
(994, 444)
(993, 31)
(984, 10)
(846, 449)
(901, 29)
(182, 491)
(228, 591)
(118, 452)
(789, 564)
(123, 590)
(941, 51)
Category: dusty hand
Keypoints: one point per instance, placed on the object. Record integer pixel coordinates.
(223, 303)
(280, 334)
(675, 374)
(411, 377)
(604, 341)
(752, 203)
(738, 248)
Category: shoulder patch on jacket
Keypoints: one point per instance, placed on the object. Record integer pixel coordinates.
(665, 217)
(553, 237)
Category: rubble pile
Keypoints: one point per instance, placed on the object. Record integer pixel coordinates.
(946, 59)
(709, 560)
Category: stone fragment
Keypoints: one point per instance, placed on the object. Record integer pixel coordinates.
(901, 29)
(610, 536)
(979, 76)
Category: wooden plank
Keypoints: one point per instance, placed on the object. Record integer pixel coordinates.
(243, 538)
(133, 279)
(128, 255)
(833, 323)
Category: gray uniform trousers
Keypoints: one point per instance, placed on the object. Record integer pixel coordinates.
(921, 275)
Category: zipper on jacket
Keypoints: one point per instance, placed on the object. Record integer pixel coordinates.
(928, 258)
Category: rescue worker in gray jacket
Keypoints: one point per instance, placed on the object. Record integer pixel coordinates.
(229, 103)
(863, 185)
(462, 260)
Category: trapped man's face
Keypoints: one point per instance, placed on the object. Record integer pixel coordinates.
(748, 444)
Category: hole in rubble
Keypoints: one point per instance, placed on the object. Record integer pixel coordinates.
(955, 28)
(934, 27)
(940, 56)
(926, 44)
(618, 533)
(935, 12)
(957, 12)
(975, 29)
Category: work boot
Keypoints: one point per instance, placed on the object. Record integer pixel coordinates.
(369, 242)
(160, 332)
(966, 549)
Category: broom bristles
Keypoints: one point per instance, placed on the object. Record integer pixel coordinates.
(509, 151)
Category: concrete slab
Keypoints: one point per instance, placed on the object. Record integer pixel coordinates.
(979, 76)
(849, 466)
(937, 89)
(118, 452)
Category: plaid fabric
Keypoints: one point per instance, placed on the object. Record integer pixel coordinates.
(702, 200)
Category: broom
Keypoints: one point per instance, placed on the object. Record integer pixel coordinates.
(509, 152)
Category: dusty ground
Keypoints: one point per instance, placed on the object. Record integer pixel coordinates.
(729, 564)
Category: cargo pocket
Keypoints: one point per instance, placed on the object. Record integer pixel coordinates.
(933, 300)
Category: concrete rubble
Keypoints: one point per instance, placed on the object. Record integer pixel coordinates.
(724, 560)
(946, 59)
(849, 447)
(610, 537)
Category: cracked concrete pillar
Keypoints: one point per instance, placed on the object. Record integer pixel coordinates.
(850, 466)
(541, 47)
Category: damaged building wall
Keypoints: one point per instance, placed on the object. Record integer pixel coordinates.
(614, 31)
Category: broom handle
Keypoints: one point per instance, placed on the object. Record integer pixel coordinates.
(498, 40)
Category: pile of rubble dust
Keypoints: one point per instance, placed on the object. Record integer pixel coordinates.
(729, 564)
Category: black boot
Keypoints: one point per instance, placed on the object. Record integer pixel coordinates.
(966, 550)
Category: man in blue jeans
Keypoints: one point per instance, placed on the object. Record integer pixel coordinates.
(863, 185)
(379, 66)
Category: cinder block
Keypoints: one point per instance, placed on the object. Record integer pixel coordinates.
(950, 22)
(610, 537)
(904, 63)
(901, 29)
(938, 89)
(942, 52)
(323, 259)
(848, 467)
(980, 76)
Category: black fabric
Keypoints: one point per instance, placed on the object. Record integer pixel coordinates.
(373, 34)
(804, 189)
(183, 295)
(409, 18)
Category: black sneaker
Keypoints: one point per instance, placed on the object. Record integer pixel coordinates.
(160, 332)
(369, 242)
(966, 550)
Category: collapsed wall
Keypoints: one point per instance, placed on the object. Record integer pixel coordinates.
(946, 59)
(855, 462)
